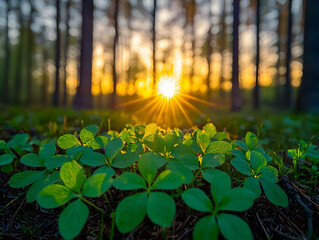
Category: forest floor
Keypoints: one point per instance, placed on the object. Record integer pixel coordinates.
(300, 220)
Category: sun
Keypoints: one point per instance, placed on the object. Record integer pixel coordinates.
(167, 87)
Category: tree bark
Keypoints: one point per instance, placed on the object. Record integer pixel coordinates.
(18, 70)
(30, 47)
(83, 97)
(309, 92)
(154, 42)
(287, 87)
(5, 86)
(115, 41)
(66, 50)
(56, 94)
(256, 92)
(235, 94)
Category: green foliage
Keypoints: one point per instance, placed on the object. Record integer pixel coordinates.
(153, 165)
(225, 199)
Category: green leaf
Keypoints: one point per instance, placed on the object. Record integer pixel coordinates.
(241, 166)
(31, 160)
(257, 161)
(203, 141)
(239, 154)
(233, 227)
(98, 142)
(269, 174)
(67, 141)
(219, 147)
(6, 159)
(161, 208)
(210, 130)
(87, 134)
(251, 140)
(25, 178)
(54, 195)
(156, 144)
(206, 229)
(35, 188)
(212, 160)
(125, 160)
(72, 219)
(170, 140)
(129, 181)
(150, 129)
(135, 147)
(274, 193)
(220, 183)
(130, 212)
(148, 165)
(241, 144)
(21, 139)
(113, 148)
(72, 175)
(56, 161)
(47, 151)
(168, 180)
(106, 169)
(253, 184)
(93, 159)
(237, 199)
(197, 199)
(180, 168)
(96, 185)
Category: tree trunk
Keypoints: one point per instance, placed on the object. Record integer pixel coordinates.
(115, 41)
(5, 86)
(235, 94)
(56, 94)
(309, 92)
(223, 48)
(256, 93)
(18, 70)
(83, 97)
(287, 87)
(209, 53)
(45, 78)
(30, 46)
(278, 96)
(66, 50)
(154, 42)
(193, 44)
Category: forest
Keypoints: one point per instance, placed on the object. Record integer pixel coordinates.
(159, 119)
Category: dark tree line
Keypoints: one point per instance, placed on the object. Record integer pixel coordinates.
(307, 95)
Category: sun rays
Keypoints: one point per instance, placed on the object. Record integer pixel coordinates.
(169, 106)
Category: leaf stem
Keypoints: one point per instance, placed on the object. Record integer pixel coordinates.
(93, 205)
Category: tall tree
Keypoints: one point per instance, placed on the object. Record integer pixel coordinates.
(56, 94)
(29, 52)
(235, 93)
(18, 72)
(309, 94)
(222, 43)
(45, 77)
(256, 92)
(115, 41)
(278, 96)
(5, 86)
(287, 87)
(66, 50)
(209, 51)
(83, 98)
(154, 41)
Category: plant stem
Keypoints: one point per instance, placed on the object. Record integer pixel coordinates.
(101, 228)
(93, 205)
(113, 225)
(164, 235)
